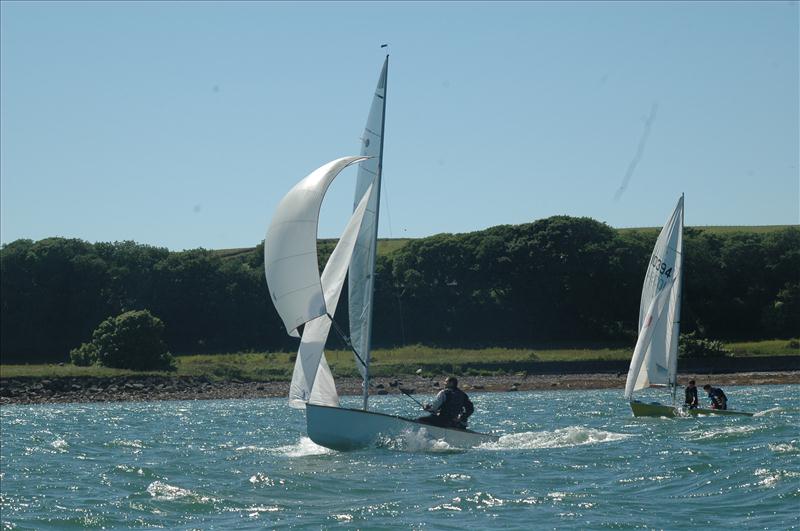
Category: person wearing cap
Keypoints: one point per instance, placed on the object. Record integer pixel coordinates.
(691, 396)
(451, 408)
(717, 396)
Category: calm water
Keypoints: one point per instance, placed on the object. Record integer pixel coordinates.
(567, 459)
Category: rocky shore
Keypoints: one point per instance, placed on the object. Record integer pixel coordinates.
(144, 388)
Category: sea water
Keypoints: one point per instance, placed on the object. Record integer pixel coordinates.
(565, 459)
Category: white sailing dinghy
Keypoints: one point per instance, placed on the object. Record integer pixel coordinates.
(304, 298)
(655, 358)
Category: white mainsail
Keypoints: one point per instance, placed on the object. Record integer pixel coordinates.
(655, 357)
(312, 379)
(290, 248)
(362, 267)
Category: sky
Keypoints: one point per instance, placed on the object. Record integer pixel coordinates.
(183, 124)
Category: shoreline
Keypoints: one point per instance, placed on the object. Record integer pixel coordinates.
(156, 388)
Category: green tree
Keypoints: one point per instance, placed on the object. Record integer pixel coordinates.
(84, 355)
(132, 340)
(692, 346)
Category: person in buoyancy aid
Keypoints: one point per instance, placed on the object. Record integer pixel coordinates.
(717, 396)
(691, 396)
(451, 408)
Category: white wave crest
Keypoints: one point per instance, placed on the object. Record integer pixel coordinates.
(769, 411)
(560, 438)
(769, 478)
(165, 492)
(783, 448)
(416, 440)
(136, 443)
(263, 479)
(304, 447)
(251, 448)
(60, 444)
(728, 431)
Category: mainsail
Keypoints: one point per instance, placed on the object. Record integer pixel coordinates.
(362, 266)
(655, 357)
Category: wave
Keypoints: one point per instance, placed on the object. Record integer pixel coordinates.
(60, 444)
(136, 443)
(252, 448)
(783, 448)
(769, 411)
(412, 440)
(263, 479)
(559, 438)
(304, 447)
(728, 432)
(164, 492)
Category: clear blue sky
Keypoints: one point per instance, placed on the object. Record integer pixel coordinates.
(182, 125)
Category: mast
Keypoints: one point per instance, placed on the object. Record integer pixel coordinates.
(374, 250)
(677, 323)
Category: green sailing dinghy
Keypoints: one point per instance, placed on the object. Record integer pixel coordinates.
(655, 358)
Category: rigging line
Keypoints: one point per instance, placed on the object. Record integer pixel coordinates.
(345, 339)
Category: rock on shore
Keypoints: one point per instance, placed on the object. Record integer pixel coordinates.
(143, 388)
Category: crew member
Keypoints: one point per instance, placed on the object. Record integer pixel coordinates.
(717, 396)
(691, 396)
(451, 408)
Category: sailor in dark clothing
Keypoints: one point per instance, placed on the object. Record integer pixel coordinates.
(717, 396)
(691, 396)
(451, 408)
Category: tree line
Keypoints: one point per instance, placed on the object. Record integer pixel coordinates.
(561, 280)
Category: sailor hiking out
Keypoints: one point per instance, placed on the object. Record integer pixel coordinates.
(451, 408)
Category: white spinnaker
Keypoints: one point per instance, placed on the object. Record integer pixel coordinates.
(290, 248)
(361, 281)
(659, 357)
(312, 379)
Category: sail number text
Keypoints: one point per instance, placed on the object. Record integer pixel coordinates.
(662, 267)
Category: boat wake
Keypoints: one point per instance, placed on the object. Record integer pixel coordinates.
(726, 433)
(303, 448)
(417, 441)
(769, 411)
(560, 438)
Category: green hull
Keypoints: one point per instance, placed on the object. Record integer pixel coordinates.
(654, 409)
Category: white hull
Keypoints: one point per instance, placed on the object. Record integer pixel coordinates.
(349, 429)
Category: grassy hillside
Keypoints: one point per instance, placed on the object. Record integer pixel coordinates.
(388, 245)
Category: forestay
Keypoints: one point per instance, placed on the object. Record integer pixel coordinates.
(655, 358)
(312, 380)
(362, 267)
(290, 248)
